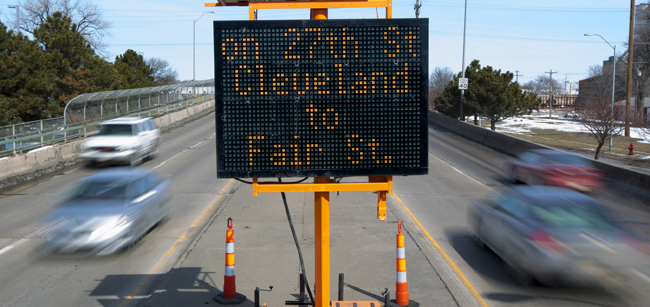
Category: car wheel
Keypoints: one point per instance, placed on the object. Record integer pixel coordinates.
(132, 244)
(477, 239)
(154, 152)
(135, 161)
(513, 177)
(535, 181)
(519, 274)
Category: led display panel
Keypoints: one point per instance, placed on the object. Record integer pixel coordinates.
(321, 98)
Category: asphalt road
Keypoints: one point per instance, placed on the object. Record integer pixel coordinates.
(187, 156)
(459, 173)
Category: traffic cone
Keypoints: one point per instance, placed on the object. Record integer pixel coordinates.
(229, 295)
(402, 285)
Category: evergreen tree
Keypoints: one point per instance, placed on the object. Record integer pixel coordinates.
(65, 50)
(133, 71)
(24, 81)
(448, 102)
(490, 93)
(103, 76)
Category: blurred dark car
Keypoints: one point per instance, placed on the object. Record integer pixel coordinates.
(107, 212)
(555, 236)
(556, 168)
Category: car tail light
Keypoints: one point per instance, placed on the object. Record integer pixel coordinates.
(560, 172)
(541, 238)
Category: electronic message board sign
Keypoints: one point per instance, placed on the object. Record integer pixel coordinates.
(321, 98)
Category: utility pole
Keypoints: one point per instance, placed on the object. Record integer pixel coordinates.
(417, 7)
(629, 70)
(517, 76)
(550, 104)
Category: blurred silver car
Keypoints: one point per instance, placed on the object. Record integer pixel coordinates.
(554, 235)
(107, 212)
(123, 140)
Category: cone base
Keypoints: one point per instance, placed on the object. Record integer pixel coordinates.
(229, 301)
(411, 303)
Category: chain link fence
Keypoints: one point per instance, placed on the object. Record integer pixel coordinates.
(89, 109)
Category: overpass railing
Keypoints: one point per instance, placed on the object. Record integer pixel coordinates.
(34, 135)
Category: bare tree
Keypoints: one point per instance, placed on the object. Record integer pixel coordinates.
(602, 121)
(440, 77)
(84, 13)
(542, 86)
(163, 73)
(594, 70)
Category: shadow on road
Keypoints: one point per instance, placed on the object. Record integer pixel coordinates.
(179, 287)
(504, 289)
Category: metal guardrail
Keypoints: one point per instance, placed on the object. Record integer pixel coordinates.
(19, 144)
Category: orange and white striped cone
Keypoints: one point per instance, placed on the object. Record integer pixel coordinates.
(402, 285)
(229, 295)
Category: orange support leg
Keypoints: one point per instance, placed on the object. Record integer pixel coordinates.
(381, 205)
(322, 235)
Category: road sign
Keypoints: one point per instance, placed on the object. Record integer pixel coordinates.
(462, 83)
(321, 98)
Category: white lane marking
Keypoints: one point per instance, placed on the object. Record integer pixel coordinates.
(184, 150)
(21, 241)
(197, 144)
(467, 175)
(641, 275)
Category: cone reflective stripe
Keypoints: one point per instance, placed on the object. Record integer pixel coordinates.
(401, 291)
(229, 294)
(229, 287)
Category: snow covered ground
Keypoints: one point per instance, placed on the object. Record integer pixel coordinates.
(524, 124)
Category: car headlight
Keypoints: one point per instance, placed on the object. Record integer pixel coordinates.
(126, 147)
(112, 227)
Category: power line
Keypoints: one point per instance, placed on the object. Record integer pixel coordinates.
(581, 9)
(517, 76)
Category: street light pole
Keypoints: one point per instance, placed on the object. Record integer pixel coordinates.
(613, 82)
(194, 44)
(17, 23)
(462, 92)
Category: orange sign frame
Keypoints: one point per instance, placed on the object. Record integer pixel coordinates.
(322, 186)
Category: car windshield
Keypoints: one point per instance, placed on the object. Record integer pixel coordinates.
(101, 189)
(115, 130)
(565, 213)
(566, 160)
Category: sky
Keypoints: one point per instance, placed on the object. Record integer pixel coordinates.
(528, 38)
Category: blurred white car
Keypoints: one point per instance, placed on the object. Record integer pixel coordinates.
(107, 212)
(123, 140)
